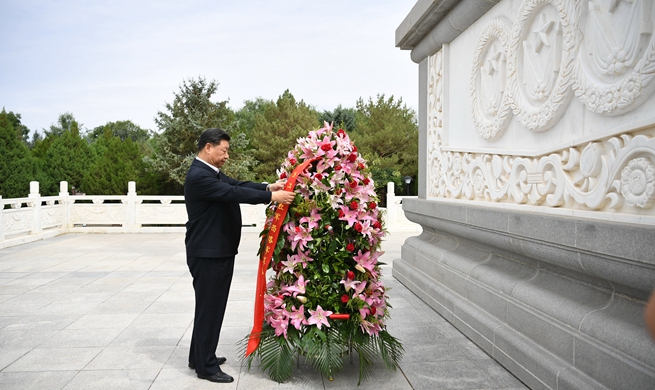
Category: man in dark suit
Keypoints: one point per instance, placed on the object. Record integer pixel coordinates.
(213, 232)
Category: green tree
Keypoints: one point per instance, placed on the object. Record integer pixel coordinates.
(387, 136)
(117, 163)
(17, 166)
(192, 112)
(122, 130)
(276, 130)
(341, 118)
(68, 156)
(22, 132)
(244, 118)
(65, 122)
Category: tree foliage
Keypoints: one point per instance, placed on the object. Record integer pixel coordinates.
(17, 166)
(344, 118)
(275, 131)
(387, 135)
(65, 122)
(192, 112)
(122, 130)
(22, 132)
(67, 158)
(117, 162)
(262, 133)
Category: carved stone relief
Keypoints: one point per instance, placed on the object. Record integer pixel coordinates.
(616, 61)
(97, 214)
(154, 214)
(19, 220)
(490, 101)
(603, 51)
(541, 61)
(52, 216)
(613, 174)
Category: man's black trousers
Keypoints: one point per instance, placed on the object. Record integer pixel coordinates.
(211, 281)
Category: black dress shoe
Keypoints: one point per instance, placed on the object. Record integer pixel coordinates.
(221, 360)
(219, 377)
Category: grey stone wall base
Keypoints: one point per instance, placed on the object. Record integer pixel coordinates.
(557, 312)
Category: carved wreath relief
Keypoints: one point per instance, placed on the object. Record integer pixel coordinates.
(615, 65)
(603, 51)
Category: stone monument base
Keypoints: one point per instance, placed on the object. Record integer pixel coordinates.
(557, 300)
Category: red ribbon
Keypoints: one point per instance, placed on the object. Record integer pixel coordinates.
(265, 259)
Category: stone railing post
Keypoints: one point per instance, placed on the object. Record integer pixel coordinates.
(36, 207)
(130, 206)
(66, 204)
(391, 204)
(2, 210)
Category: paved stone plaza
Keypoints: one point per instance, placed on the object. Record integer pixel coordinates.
(115, 311)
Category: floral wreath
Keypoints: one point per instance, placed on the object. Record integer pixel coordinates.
(325, 297)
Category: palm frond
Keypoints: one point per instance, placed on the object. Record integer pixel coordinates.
(276, 356)
(367, 352)
(326, 355)
(391, 349)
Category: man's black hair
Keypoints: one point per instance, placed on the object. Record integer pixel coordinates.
(212, 136)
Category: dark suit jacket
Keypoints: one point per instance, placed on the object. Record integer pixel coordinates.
(212, 204)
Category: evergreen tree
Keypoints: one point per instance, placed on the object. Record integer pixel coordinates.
(192, 112)
(67, 158)
(341, 118)
(22, 132)
(65, 122)
(123, 130)
(117, 163)
(17, 166)
(276, 130)
(387, 136)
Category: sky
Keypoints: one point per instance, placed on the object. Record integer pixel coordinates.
(107, 61)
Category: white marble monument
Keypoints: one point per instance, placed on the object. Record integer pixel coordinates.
(537, 183)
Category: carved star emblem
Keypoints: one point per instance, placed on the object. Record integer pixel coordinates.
(541, 35)
(615, 3)
(492, 64)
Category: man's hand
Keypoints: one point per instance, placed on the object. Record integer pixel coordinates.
(284, 197)
(279, 185)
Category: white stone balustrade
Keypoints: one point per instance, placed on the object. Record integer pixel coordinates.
(38, 217)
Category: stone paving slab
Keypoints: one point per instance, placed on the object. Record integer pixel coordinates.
(115, 311)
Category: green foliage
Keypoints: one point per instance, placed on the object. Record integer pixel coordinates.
(344, 118)
(22, 132)
(67, 158)
(17, 166)
(326, 350)
(192, 112)
(244, 119)
(387, 136)
(262, 132)
(122, 130)
(117, 163)
(65, 122)
(276, 128)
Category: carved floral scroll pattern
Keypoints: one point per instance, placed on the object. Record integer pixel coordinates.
(606, 174)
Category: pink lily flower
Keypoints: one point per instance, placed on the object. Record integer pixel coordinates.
(365, 261)
(319, 317)
(281, 325)
(350, 216)
(312, 220)
(298, 288)
(297, 317)
(348, 284)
